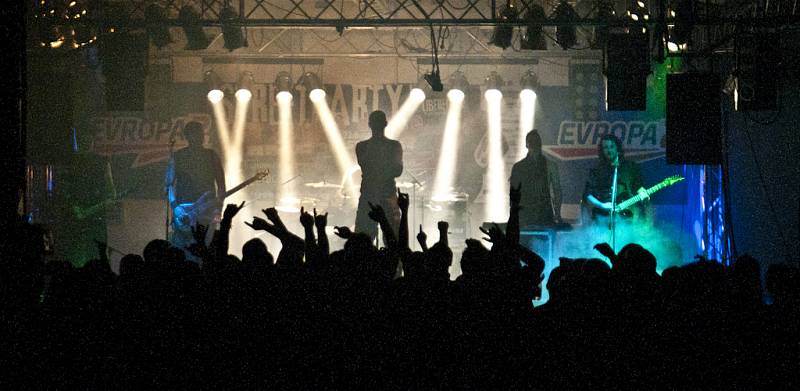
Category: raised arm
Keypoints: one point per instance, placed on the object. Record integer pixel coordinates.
(402, 232)
(321, 221)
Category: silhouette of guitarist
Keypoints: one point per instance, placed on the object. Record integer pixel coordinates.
(194, 171)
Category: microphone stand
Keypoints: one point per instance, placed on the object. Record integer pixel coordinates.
(168, 217)
(613, 225)
(416, 183)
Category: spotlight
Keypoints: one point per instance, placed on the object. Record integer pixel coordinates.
(493, 82)
(529, 81)
(283, 82)
(503, 31)
(565, 32)
(416, 95)
(496, 181)
(448, 155)
(193, 28)
(231, 31)
(313, 85)
(534, 36)
(214, 86)
(400, 119)
(245, 87)
(458, 82)
(156, 25)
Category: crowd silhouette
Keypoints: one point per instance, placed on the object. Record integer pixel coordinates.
(349, 319)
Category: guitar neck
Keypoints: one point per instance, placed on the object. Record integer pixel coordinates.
(241, 186)
(633, 200)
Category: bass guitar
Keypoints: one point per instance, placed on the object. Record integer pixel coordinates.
(205, 211)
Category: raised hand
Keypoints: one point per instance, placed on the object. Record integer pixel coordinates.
(306, 219)
(272, 214)
(259, 224)
(496, 235)
(231, 210)
(321, 221)
(422, 238)
(343, 232)
(443, 226)
(376, 213)
(198, 247)
(402, 201)
(199, 233)
(606, 250)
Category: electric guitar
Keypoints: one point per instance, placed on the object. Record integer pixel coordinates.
(623, 208)
(83, 213)
(205, 210)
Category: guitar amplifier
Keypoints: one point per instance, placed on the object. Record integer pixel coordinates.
(139, 221)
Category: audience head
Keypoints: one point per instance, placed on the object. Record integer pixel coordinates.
(254, 252)
(131, 264)
(156, 251)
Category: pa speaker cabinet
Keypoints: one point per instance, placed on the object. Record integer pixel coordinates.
(693, 119)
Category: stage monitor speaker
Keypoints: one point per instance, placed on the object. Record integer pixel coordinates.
(693, 119)
(626, 69)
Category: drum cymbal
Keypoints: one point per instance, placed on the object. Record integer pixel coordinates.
(404, 185)
(323, 184)
(451, 197)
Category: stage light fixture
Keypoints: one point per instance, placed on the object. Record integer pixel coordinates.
(501, 37)
(245, 84)
(638, 12)
(534, 36)
(685, 18)
(192, 25)
(231, 29)
(313, 85)
(606, 14)
(156, 25)
(529, 81)
(493, 82)
(283, 83)
(565, 31)
(458, 82)
(214, 85)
